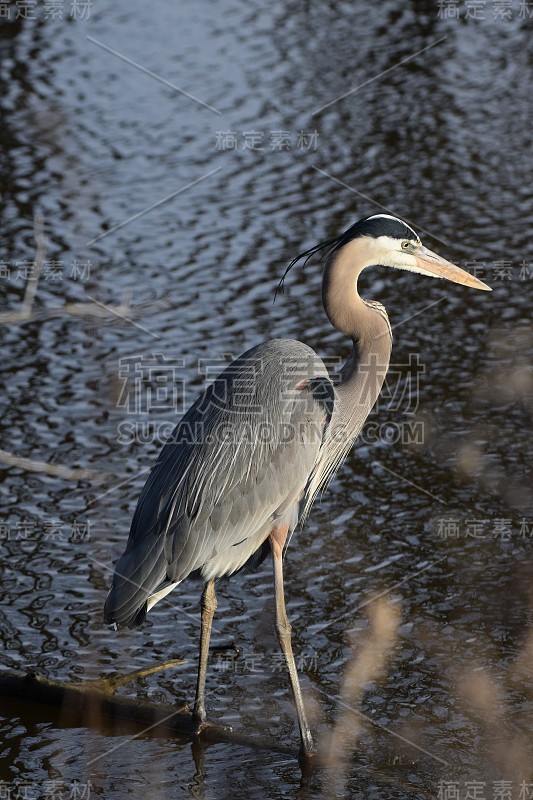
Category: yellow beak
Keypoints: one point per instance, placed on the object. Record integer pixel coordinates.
(431, 263)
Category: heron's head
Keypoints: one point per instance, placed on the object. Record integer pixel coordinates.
(387, 241)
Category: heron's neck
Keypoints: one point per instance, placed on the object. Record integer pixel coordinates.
(365, 323)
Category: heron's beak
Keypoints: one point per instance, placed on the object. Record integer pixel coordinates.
(432, 264)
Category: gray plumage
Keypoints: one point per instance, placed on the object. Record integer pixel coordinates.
(235, 465)
(247, 460)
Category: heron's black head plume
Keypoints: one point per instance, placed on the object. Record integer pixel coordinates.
(328, 246)
(374, 226)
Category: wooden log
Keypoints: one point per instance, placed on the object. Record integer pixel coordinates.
(88, 705)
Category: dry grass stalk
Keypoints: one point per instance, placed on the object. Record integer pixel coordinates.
(367, 664)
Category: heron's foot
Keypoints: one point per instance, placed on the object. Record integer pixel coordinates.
(308, 760)
(204, 725)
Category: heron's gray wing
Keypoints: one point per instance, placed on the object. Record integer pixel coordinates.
(239, 457)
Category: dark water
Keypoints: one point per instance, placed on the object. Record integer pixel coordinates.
(442, 526)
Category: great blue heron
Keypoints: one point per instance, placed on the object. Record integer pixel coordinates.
(247, 459)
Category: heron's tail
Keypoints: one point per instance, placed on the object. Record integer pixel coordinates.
(139, 574)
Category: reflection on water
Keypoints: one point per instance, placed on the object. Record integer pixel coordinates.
(93, 143)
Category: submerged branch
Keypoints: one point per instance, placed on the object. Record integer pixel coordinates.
(55, 470)
(94, 705)
(90, 310)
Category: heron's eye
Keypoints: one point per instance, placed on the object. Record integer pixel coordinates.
(406, 245)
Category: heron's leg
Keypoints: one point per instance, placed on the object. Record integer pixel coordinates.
(209, 604)
(283, 627)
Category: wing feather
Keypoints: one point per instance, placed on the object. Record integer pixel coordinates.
(235, 463)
